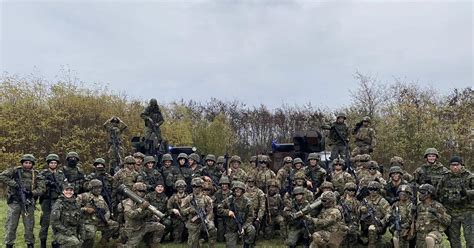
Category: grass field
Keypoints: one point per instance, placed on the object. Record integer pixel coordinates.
(20, 241)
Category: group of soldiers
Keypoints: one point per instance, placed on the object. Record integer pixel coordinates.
(307, 202)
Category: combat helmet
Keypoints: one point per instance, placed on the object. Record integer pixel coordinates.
(253, 159)
(52, 157)
(298, 190)
(396, 160)
(395, 169)
(139, 155)
(194, 157)
(238, 185)
(235, 158)
(149, 159)
(220, 160)
(166, 157)
(273, 182)
(99, 161)
(350, 185)
(197, 182)
(338, 161)
(28, 157)
(366, 118)
(224, 180)
(300, 175)
(341, 115)
(72, 155)
(210, 157)
(288, 159)
(328, 198)
(431, 150)
(183, 155)
(313, 155)
(180, 183)
(129, 160)
(298, 161)
(405, 188)
(326, 185)
(139, 186)
(95, 183)
(374, 185)
(427, 188)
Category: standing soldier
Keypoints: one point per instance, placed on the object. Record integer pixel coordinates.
(339, 176)
(193, 162)
(364, 137)
(235, 172)
(264, 174)
(329, 223)
(173, 205)
(339, 137)
(315, 174)
(398, 161)
(220, 163)
(431, 218)
(73, 173)
(402, 218)
(66, 220)
(361, 162)
(299, 181)
(257, 199)
(24, 186)
(396, 180)
(153, 120)
(219, 197)
(139, 221)
(297, 225)
(139, 157)
(283, 176)
(254, 165)
(432, 171)
(239, 215)
(149, 175)
(96, 215)
(453, 192)
(372, 175)
(211, 171)
(127, 176)
(273, 217)
(197, 209)
(351, 212)
(158, 199)
(115, 127)
(182, 171)
(54, 179)
(100, 173)
(166, 170)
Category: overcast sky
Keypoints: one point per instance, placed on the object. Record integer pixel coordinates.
(258, 51)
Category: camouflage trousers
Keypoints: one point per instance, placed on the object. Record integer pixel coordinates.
(296, 234)
(46, 206)
(327, 239)
(337, 150)
(195, 230)
(135, 235)
(13, 217)
(466, 220)
(107, 232)
(67, 241)
(277, 222)
(221, 229)
(178, 231)
(421, 238)
(232, 236)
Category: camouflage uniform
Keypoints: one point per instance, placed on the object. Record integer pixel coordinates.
(330, 223)
(273, 217)
(219, 197)
(160, 201)
(73, 173)
(241, 207)
(181, 172)
(34, 187)
(150, 176)
(361, 165)
(315, 174)
(100, 173)
(403, 210)
(127, 176)
(174, 203)
(372, 175)
(67, 221)
(430, 173)
(283, 176)
(94, 208)
(153, 120)
(166, 170)
(341, 177)
(453, 194)
(139, 221)
(338, 146)
(351, 211)
(54, 180)
(398, 161)
(191, 205)
(236, 174)
(115, 127)
(298, 229)
(264, 174)
(391, 188)
(257, 199)
(365, 140)
(431, 219)
(308, 195)
(213, 171)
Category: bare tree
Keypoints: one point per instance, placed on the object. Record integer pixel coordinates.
(369, 96)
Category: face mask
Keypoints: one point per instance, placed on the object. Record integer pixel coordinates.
(72, 162)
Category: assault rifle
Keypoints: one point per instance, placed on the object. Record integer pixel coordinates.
(397, 222)
(372, 215)
(413, 210)
(106, 194)
(25, 201)
(226, 165)
(297, 208)
(349, 166)
(237, 219)
(267, 203)
(201, 213)
(100, 213)
(346, 213)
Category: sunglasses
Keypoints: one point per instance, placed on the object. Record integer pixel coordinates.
(373, 189)
(372, 168)
(354, 190)
(262, 162)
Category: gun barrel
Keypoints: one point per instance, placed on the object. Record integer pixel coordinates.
(126, 191)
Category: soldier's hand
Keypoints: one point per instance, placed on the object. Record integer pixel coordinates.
(298, 214)
(231, 214)
(207, 179)
(363, 209)
(309, 184)
(144, 205)
(241, 232)
(89, 210)
(175, 211)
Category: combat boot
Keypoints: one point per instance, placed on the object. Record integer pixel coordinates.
(55, 244)
(43, 243)
(30, 245)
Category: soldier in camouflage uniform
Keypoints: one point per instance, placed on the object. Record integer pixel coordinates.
(158, 199)
(432, 218)
(274, 218)
(361, 162)
(283, 176)
(257, 199)
(139, 158)
(351, 212)
(173, 205)
(254, 168)
(139, 221)
(67, 220)
(299, 180)
(115, 127)
(298, 165)
(193, 161)
(33, 187)
(391, 188)
(127, 176)
(100, 173)
(235, 172)
(54, 179)
(398, 161)
(212, 172)
(339, 137)
(150, 175)
(315, 174)
(339, 177)
(329, 223)
(375, 212)
(297, 225)
(264, 174)
(193, 205)
(372, 175)
(181, 171)
(153, 120)
(96, 215)
(453, 194)
(166, 170)
(365, 140)
(432, 171)
(220, 162)
(73, 173)
(403, 211)
(219, 197)
(238, 214)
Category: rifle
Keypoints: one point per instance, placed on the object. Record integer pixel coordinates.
(226, 166)
(115, 144)
(346, 213)
(397, 222)
(106, 194)
(201, 214)
(100, 213)
(267, 202)
(357, 127)
(413, 210)
(51, 181)
(371, 214)
(21, 190)
(238, 220)
(297, 208)
(350, 169)
(289, 186)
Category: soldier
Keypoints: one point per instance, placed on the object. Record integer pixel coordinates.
(235, 172)
(219, 197)
(66, 220)
(398, 161)
(315, 174)
(153, 120)
(329, 223)
(453, 191)
(351, 213)
(127, 176)
(432, 171)
(339, 137)
(361, 162)
(173, 205)
(54, 179)
(197, 209)
(391, 188)
(139, 221)
(207, 188)
(402, 217)
(212, 172)
(96, 215)
(431, 218)
(297, 166)
(149, 175)
(372, 175)
(273, 217)
(254, 165)
(220, 163)
(297, 225)
(238, 215)
(139, 157)
(100, 173)
(182, 171)
(299, 181)
(166, 170)
(264, 174)
(283, 176)
(339, 177)
(73, 173)
(196, 168)
(375, 212)
(257, 199)
(24, 186)
(159, 199)
(115, 127)
(365, 140)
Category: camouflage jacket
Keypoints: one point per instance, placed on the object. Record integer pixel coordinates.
(175, 202)
(166, 172)
(381, 208)
(135, 217)
(339, 180)
(406, 215)
(181, 173)
(365, 136)
(343, 131)
(431, 217)
(315, 174)
(351, 213)
(220, 196)
(242, 208)
(76, 176)
(291, 206)
(160, 201)
(257, 199)
(263, 176)
(151, 178)
(89, 200)
(365, 180)
(330, 219)
(193, 203)
(453, 192)
(391, 191)
(67, 218)
(283, 177)
(53, 182)
(431, 174)
(30, 179)
(215, 173)
(126, 177)
(275, 205)
(237, 175)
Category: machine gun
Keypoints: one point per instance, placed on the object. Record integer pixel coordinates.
(25, 201)
(201, 213)
(100, 213)
(126, 191)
